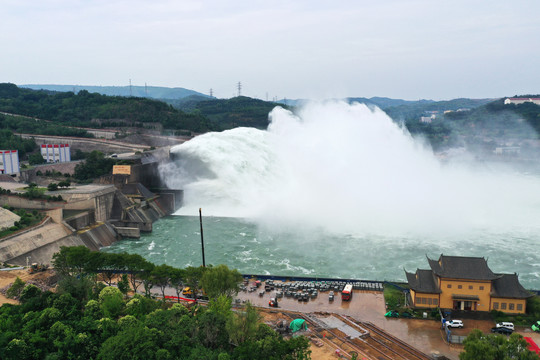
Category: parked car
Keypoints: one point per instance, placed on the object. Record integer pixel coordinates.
(505, 324)
(454, 323)
(392, 314)
(331, 296)
(273, 302)
(502, 330)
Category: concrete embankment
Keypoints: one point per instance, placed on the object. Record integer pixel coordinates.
(41, 242)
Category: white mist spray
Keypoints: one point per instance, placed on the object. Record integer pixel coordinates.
(345, 169)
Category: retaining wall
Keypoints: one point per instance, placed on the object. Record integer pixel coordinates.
(41, 245)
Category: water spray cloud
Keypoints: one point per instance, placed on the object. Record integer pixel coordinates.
(347, 169)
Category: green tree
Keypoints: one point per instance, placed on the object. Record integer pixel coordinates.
(162, 275)
(148, 282)
(478, 346)
(73, 260)
(94, 166)
(111, 302)
(177, 281)
(36, 159)
(193, 276)
(220, 280)
(17, 349)
(136, 265)
(16, 288)
(64, 183)
(123, 285)
(243, 325)
(29, 292)
(221, 305)
(52, 187)
(132, 343)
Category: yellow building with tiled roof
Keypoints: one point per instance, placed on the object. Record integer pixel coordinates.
(466, 283)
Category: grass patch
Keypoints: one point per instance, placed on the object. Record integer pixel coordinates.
(28, 219)
(393, 297)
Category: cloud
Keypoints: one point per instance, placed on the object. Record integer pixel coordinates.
(292, 49)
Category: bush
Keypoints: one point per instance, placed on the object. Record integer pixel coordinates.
(393, 297)
(30, 292)
(36, 159)
(16, 288)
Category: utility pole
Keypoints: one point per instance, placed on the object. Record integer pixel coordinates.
(202, 238)
(239, 88)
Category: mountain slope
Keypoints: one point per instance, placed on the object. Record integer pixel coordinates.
(154, 92)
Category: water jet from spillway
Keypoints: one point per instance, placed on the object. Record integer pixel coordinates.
(345, 169)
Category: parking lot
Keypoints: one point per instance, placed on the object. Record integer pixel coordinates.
(314, 298)
(368, 305)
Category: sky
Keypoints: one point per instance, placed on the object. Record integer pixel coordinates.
(417, 49)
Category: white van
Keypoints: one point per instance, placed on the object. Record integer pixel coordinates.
(507, 325)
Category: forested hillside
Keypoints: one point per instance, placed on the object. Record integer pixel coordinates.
(8, 141)
(485, 126)
(235, 112)
(476, 118)
(154, 92)
(94, 110)
(415, 109)
(85, 319)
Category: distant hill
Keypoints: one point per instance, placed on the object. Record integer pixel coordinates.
(237, 111)
(384, 102)
(154, 92)
(87, 109)
(188, 103)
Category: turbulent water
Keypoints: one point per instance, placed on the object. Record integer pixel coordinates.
(341, 190)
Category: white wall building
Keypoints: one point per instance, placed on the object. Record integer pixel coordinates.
(56, 153)
(9, 162)
(521, 101)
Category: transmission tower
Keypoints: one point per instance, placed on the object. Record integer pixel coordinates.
(211, 92)
(130, 91)
(239, 88)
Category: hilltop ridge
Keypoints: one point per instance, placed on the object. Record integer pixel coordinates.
(154, 92)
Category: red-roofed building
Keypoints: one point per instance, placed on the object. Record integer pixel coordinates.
(9, 162)
(56, 153)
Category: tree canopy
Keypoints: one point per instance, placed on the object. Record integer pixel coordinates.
(102, 324)
(478, 346)
(87, 109)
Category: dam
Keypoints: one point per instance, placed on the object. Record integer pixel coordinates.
(341, 190)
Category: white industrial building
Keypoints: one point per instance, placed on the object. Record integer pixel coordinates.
(9, 162)
(56, 153)
(518, 101)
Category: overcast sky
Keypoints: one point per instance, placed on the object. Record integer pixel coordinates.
(295, 49)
